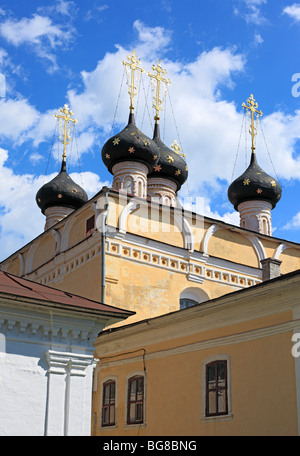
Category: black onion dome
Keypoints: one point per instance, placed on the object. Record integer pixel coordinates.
(130, 145)
(61, 191)
(170, 165)
(254, 184)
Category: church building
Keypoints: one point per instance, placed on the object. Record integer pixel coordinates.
(133, 246)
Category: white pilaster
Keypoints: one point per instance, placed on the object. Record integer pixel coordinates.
(69, 394)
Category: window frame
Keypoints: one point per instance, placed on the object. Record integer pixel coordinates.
(110, 405)
(216, 416)
(90, 221)
(136, 402)
(216, 389)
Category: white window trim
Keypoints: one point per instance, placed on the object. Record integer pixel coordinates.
(209, 360)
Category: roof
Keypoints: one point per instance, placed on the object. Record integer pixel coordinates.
(238, 295)
(24, 288)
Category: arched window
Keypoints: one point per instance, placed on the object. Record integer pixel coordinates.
(128, 185)
(117, 184)
(186, 302)
(140, 188)
(108, 403)
(192, 296)
(135, 400)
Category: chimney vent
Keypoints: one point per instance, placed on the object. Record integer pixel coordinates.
(270, 268)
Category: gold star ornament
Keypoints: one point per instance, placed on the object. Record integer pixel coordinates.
(116, 141)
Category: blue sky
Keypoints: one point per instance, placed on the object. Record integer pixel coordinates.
(216, 54)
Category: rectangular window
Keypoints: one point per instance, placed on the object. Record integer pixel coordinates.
(216, 389)
(135, 411)
(90, 225)
(108, 403)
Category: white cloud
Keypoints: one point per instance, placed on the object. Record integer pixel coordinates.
(258, 38)
(38, 32)
(31, 30)
(17, 201)
(251, 12)
(208, 124)
(294, 223)
(35, 158)
(16, 117)
(201, 114)
(293, 11)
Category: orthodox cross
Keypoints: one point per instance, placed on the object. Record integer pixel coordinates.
(132, 66)
(159, 79)
(175, 146)
(251, 107)
(64, 118)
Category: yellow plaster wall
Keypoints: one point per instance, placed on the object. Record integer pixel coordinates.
(78, 230)
(83, 281)
(263, 398)
(223, 244)
(45, 251)
(148, 290)
(160, 227)
(290, 260)
(14, 266)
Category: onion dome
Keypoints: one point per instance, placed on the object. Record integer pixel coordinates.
(254, 184)
(171, 164)
(130, 145)
(61, 191)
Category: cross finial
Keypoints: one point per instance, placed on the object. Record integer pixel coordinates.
(251, 107)
(158, 78)
(132, 66)
(175, 146)
(64, 118)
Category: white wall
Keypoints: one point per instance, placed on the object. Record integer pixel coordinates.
(46, 368)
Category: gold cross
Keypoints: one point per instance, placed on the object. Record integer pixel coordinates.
(131, 67)
(158, 78)
(65, 136)
(175, 146)
(252, 106)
